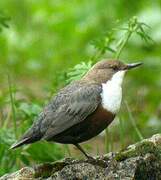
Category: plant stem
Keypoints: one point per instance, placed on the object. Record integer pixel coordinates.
(121, 132)
(96, 56)
(67, 149)
(124, 42)
(7, 119)
(133, 122)
(12, 105)
(98, 152)
(107, 141)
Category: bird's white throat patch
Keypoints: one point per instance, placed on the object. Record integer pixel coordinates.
(112, 92)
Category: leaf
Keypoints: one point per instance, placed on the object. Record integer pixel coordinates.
(110, 49)
(78, 71)
(4, 21)
(29, 109)
(44, 152)
(7, 137)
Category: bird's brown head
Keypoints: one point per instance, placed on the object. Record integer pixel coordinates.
(104, 70)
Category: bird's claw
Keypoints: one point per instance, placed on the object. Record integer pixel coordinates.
(99, 162)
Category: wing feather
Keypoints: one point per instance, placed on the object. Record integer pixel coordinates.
(71, 106)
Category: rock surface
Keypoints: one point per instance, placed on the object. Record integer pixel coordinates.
(141, 161)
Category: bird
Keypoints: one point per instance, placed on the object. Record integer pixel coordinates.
(82, 109)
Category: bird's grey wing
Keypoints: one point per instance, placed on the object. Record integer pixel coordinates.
(70, 107)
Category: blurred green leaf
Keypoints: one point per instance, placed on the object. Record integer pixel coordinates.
(30, 109)
(7, 137)
(45, 152)
(3, 21)
(78, 71)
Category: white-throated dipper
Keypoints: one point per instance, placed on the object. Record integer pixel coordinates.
(82, 109)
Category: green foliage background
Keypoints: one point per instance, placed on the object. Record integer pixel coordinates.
(45, 39)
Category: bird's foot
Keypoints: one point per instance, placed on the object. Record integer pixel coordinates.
(90, 158)
(96, 161)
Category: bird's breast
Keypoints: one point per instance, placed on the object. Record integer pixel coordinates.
(111, 96)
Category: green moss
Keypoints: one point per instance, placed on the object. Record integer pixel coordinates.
(140, 149)
(47, 169)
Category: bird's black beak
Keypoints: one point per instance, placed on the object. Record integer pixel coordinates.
(133, 65)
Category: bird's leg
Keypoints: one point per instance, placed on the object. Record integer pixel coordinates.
(90, 159)
(81, 149)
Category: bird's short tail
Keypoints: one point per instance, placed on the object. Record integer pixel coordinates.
(32, 135)
(20, 143)
(28, 138)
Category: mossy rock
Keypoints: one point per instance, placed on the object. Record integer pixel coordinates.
(140, 161)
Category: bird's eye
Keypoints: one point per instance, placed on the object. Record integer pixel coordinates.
(115, 68)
